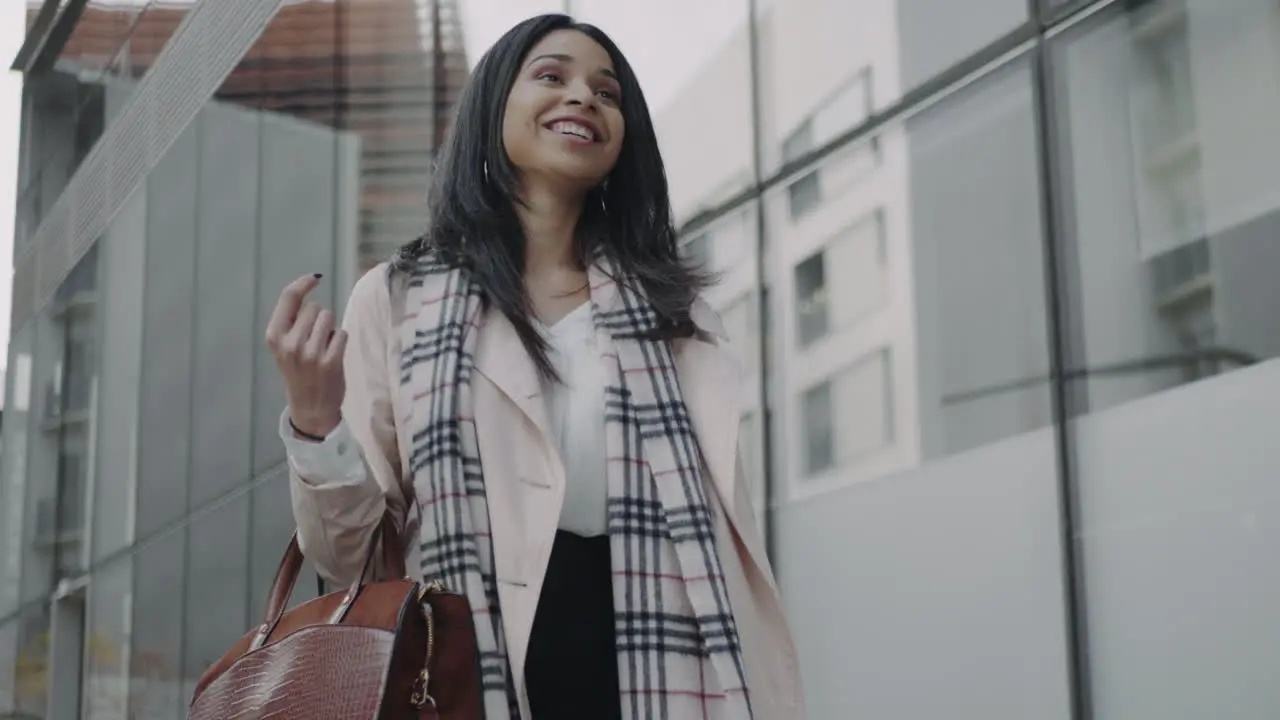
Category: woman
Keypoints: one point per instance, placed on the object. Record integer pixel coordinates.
(544, 404)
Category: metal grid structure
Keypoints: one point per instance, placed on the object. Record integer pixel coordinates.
(204, 50)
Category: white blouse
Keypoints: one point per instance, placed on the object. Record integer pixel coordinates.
(575, 412)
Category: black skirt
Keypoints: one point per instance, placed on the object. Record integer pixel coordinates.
(572, 666)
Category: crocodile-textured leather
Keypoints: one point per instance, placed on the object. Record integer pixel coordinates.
(297, 678)
(352, 654)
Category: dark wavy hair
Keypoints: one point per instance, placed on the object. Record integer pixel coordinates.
(472, 220)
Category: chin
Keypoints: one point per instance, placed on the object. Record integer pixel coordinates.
(576, 175)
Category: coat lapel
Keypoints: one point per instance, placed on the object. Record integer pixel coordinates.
(502, 359)
(711, 381)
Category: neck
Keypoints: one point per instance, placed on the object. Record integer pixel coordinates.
(548, 220)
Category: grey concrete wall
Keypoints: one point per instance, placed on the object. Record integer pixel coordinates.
(121, 286)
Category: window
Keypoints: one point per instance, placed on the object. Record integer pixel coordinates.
(857, 255)
(848, 107)
(81, 362)
(91, 119)
(1182, 282)
(864, 406)
(804, 194)
(799, 142)
(1165, 106)
(1163, 111)
(819, 433)
(849, 415)
(698, 249)
(980, 325)
(811, 300)
(1166, 131)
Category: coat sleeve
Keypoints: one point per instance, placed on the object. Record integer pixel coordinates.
(337, 503)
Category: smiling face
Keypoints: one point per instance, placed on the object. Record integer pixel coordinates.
(563, 118)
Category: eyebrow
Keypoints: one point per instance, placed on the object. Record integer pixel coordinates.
(569, 59)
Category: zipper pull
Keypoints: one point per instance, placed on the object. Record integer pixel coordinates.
(421, 697)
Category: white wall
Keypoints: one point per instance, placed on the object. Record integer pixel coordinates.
(705, 131)
(888, 321)
(1180, 524)
(813, 46)
(934, 593)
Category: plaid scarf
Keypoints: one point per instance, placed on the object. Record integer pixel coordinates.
(679, 654)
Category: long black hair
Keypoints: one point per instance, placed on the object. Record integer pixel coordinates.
(474, 192)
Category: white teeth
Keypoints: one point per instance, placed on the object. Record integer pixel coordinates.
(568, 127)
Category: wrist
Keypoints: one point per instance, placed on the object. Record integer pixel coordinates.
(314, 428)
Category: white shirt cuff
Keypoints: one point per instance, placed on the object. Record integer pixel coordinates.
(336, 461)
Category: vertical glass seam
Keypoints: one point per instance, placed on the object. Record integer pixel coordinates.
(1073, 592)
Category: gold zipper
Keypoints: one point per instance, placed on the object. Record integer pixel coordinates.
(435, 586)
(421, 696)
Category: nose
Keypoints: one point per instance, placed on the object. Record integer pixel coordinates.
(581, 94)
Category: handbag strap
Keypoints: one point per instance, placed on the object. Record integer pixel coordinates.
(291, 565)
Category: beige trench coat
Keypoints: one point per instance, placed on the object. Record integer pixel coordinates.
(525, 480)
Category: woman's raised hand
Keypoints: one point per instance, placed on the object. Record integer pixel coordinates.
(308, 351)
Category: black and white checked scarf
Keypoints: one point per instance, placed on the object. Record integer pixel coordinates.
(679, 654)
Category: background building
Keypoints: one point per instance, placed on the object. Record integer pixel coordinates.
(385, 70)
(999, 273)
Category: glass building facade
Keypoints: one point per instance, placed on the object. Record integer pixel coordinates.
(1000, 274)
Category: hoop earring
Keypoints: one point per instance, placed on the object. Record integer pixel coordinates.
(485, 166)
(604, 190)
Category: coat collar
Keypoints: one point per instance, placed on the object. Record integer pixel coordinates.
(500, 356)
(709, 374)
(607, 299)
(710, 379)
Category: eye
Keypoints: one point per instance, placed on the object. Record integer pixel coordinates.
(609, 95)
(549, 76)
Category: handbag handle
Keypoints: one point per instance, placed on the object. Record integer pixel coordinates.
(291, 566)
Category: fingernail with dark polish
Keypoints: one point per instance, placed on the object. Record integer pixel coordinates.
(318, 275)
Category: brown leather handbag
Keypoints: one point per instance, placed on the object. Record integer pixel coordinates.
(391, 650)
